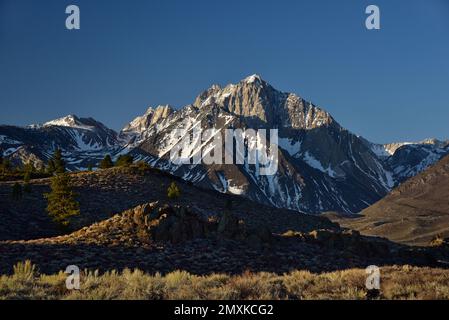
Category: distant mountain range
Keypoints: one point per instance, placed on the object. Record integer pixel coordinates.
(322, 166)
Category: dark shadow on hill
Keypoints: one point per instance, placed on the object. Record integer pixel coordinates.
(205, 256)
(107, 192)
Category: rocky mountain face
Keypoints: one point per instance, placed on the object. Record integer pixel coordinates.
(321, 165)
(134, 132)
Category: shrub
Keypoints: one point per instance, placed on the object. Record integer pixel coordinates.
(25, 271)
(124, 160)
(437, 241)
(173, 191)
(142, 166)
(397, 283)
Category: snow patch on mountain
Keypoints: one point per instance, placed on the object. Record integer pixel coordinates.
(314, 163)
(6, 140)
(291, 146)
(235, 189)
(407, 171)
(253, 79)
(81, 144)
(10, 151)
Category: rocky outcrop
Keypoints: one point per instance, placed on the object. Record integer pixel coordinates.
(162, 237)
(177, 224)
(174, 224)
(231, 227)
(169, 223)
(24, 155)
(348, 240)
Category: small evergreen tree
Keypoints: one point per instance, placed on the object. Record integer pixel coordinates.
(124, 160)
(17, 191)
(173, 191)
(29, 167)
(61, 203)
(59, 163)
(106, 162)
(26, 181)
(89, 167)
(50, 169)
(5, 167)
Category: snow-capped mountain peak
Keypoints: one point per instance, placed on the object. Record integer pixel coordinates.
(322, 166)
(254, 98)
(68, 121)
(255, 78)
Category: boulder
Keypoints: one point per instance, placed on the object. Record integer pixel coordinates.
(177, 224)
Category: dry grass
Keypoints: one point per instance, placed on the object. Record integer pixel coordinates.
(397, 282)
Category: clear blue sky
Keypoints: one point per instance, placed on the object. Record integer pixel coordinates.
(386, 85)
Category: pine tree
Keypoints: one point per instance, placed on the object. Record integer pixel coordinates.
(29, 167)
(124, 160)
(58, 161)
(56, 164)
(50, 169)
(5, 167)
(61, 203)
(17, 191)
(106, 162)
(173, 191)
(89, 167)
(26, 181)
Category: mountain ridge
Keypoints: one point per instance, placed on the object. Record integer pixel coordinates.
(322, 166)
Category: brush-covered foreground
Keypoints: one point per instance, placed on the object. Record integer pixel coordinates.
(397, 282)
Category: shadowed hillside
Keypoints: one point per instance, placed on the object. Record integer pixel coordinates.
(414, 213)
(158, 237)
(103, 193)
